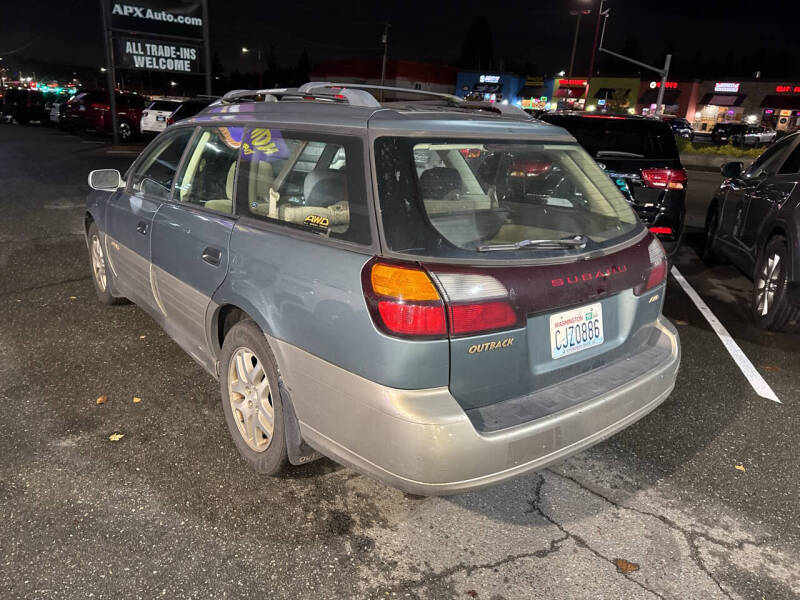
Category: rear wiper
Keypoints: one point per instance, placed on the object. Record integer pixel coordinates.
(576, 241)
(600, 153)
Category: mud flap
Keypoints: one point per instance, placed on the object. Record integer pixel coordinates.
(300, 453)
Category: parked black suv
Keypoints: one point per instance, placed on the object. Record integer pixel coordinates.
(641, 157)
(754, 222)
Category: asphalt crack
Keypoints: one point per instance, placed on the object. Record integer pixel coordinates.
(536, 507)
(690, 535)
(432, 577)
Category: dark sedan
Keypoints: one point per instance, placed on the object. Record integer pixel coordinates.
(753, 221)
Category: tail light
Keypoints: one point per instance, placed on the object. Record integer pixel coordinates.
(657, 272)
(661, 230)
(98, 106)
(404, 301)
(170, 120)
(670, 179)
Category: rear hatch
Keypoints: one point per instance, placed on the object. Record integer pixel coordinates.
(540, 271)
(640, 156)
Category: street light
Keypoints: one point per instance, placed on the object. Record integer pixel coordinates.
(246, 50)
(103, 69)
(579, 13)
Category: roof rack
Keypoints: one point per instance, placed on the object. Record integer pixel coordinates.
(357, 94)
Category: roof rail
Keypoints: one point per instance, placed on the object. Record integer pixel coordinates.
(507, 110)
(366, 86)
(353, 97)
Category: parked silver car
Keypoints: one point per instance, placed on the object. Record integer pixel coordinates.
(439, 294)
(754, 136)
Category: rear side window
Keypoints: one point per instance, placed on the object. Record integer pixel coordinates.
(456, 199)
(163, 105)
(153, 174)
(314, 183)
(613, 137)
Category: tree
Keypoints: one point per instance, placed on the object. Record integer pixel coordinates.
(478, 49)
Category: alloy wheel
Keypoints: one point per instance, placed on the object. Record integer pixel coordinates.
(98, 263)
(125, 132)
(767, 284)
(251, 399)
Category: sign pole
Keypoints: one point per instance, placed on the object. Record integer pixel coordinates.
(110, 71)
(207, 45)
(663, 87)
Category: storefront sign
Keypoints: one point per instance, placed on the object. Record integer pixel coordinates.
(786, 113)
(787, 89)
(670, 85)
(727, 86)
(489, 78)
(157, 55)
(169, 17)
(582, 82)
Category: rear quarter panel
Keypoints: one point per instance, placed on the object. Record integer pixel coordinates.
(309, 294)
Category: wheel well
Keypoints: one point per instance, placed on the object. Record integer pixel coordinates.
(227, 316)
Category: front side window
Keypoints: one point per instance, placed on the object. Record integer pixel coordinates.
(313, 183)
(475, 199)
(208, 174)
(153, 174)
(769, 162)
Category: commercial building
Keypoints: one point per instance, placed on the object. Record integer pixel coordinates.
(680, 98)
(772, 103)
(399, 73)
(489, 86)
(612, 94)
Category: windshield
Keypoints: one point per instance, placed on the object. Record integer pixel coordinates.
(456, 199)
(610, 137)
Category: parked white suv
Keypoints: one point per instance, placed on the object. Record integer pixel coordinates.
(154, 117)
(754, 136)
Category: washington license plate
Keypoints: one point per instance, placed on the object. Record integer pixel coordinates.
(577, 329)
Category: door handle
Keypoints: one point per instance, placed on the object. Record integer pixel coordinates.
(142, 227)
(212, 256)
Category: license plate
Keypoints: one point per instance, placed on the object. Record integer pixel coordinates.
(161, 118)
(574, 330)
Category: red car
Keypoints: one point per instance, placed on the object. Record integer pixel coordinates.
(91, 111)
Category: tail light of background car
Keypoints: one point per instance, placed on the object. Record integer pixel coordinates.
(669, 179)
(404, 301)
(657, 273)
(99, 106)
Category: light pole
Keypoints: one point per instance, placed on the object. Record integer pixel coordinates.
(600, 14)
(579, 13)
(246, 50)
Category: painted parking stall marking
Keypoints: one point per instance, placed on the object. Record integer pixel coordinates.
(758, 383)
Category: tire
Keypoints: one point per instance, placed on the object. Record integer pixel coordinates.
(248, 365)
(771, 307)
(710, 256)
(101, 274)
(125, 132)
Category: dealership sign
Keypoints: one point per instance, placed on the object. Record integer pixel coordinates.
(727, 86)
(157, 55)
(160, 17)
(669, 85)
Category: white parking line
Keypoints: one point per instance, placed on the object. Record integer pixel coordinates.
(760, 386)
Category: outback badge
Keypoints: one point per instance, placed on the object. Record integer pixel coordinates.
(486, 346)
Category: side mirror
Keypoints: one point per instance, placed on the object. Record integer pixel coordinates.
(106, 180)
(732, 169)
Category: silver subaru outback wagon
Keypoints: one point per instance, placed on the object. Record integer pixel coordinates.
(437, 293)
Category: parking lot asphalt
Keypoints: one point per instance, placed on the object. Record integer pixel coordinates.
(700, 499)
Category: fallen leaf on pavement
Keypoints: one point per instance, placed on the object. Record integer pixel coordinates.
(102, 399)
(73, 297)
(141, 337)
(624, 566)
(115, 437)
(770, 368)
(680, 322)
(136, 399)
(740, 468)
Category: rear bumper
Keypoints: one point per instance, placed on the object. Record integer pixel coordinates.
(421, 441)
